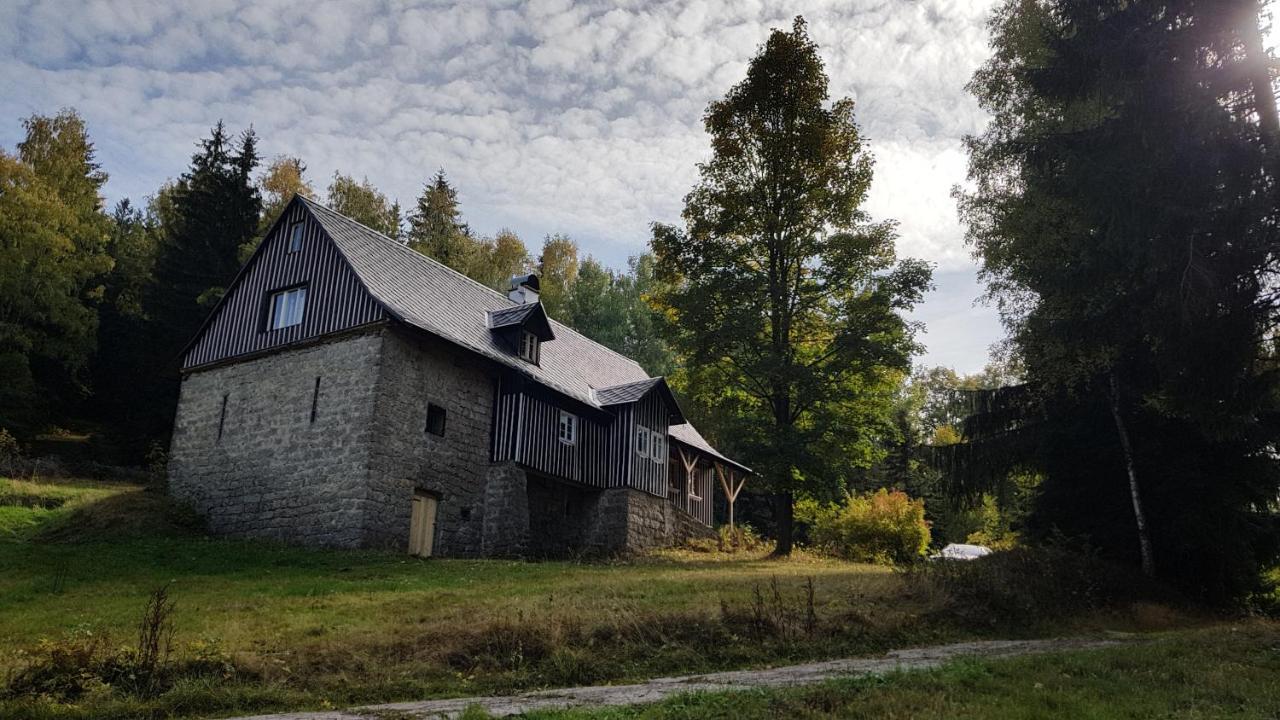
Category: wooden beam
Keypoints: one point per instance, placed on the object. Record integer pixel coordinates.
(730, 490)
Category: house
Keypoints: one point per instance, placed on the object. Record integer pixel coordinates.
(350, 392)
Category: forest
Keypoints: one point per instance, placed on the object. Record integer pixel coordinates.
(1121, 204)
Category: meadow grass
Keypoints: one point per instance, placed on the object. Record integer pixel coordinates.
(312, 628)
(1220, 672)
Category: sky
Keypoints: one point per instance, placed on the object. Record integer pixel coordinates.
(549, 116)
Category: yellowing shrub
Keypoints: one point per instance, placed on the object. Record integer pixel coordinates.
(883, 527)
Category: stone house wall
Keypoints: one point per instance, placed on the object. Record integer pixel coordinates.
(272, 472)
(347, 477)
(412, 373)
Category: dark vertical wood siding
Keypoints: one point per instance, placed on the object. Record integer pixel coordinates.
(528, 432)
(335, 299)
(646, 474)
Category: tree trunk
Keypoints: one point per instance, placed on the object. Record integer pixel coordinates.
(1144, 540)
(783, 515)
(1258, 64)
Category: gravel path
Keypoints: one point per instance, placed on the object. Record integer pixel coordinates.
(661, 688)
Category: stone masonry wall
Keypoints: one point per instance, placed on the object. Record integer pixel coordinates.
(625, 520)
(275, 473)
(412, 373)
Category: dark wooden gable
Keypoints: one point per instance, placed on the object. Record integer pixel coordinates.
(336, 300)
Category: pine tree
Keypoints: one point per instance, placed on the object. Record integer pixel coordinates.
(1123, 211)
(436, 228)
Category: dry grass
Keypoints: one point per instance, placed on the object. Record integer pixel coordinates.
(316, 628)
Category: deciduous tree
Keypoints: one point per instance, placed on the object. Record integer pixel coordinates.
(781, 287)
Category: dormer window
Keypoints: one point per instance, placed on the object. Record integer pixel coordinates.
(529, 346)
(295, 237)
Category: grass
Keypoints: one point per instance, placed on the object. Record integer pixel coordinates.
(1222, 672)
(296, 629)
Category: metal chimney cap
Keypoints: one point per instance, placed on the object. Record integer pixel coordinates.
(530, 281)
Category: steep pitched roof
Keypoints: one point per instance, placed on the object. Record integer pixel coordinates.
(428, 295)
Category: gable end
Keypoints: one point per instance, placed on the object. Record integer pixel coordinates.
(336, 300)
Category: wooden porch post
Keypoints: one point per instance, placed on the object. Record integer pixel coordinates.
(730, 490)
(690, 462)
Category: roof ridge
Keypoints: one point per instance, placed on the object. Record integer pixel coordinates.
(405, 248)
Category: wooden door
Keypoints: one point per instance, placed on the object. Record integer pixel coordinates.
(422, 524)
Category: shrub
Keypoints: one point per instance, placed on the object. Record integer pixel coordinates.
(884, 527)
(1027, 586)
(10, 453)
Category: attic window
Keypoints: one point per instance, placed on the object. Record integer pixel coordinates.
(295, 237)
(529, 346)
(642, 441)
(285, 308)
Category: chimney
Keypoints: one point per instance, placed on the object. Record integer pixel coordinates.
(524, 289)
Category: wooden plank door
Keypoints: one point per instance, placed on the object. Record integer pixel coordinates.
(422, 525)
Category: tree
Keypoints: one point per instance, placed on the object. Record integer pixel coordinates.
(557, 271)
(436, 228)
(279, 183)
(53, 255)
(1124, 213)
(782, 290)
(362, 202)
(499, 259)
(210, 212)
(125, 353)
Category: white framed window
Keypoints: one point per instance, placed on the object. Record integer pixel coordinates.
(642, 441)
(658, 447)
(295, 237)
(568, 428)
(529, 346)
(286, 308)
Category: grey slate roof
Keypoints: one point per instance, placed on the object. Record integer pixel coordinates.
(433, 297)
(625, 393)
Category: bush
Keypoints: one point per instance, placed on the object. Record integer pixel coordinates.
(10, 454)
(1026, 586)
(883, 527)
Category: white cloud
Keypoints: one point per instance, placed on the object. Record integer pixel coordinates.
(583, 118)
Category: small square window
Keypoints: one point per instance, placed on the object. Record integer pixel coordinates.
(568, 428)
(285, 308)
(295, 237)
(642, 441)
(435, 419)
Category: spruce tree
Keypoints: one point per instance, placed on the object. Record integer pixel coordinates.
(436, 228)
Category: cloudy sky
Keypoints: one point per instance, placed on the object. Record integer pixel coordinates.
(549, 116)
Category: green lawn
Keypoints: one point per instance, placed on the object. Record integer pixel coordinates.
(1222, 672)
(294, 629)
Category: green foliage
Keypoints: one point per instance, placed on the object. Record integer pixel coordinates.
(1136, 282)
(362, 202)
(613, 309)
(782, 293)
(1020, 588)
(436, 228)
(53, 255)
(881, 527)
(557, 272)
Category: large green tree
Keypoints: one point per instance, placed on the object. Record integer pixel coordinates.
(53, 256)
(1124, 211)
(781, 287)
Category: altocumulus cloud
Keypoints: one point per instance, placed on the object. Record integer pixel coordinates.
(551, 116)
